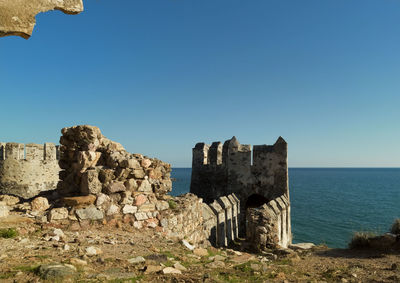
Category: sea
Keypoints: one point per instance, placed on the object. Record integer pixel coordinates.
(328, 205)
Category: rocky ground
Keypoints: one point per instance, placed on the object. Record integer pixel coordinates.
(113, 252)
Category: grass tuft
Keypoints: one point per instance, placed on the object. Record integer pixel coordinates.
(395, 227)
(8, 233)
(361, 240)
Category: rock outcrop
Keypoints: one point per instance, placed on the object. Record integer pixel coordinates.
(17, 17)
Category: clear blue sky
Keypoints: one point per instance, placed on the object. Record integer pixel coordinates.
(160, 75)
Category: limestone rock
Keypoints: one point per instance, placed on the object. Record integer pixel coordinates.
(141, 216)
(4, 211)
(145, 186)
(113, 209)
(78, 262)
(171, 270)
(9, 200)
(301, 246)
(136, 260)
(115, 187)
(18, 17)
(200, 252)
(90, 183)
(58, 214)
(179, 266)
(92, 251)
(40, 204)
(140, 199)
(129, 209)
(89, 213)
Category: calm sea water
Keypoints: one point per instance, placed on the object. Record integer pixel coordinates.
(329, 205)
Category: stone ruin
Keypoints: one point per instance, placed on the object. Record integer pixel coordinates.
(17, 17)
(100, 181)
(258, 178)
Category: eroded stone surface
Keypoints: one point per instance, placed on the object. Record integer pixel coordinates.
(17, 17)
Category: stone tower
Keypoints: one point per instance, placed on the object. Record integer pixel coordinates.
(257, 176)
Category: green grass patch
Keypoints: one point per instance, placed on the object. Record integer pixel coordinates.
(8, 274)
(8, 233)
(28, 268)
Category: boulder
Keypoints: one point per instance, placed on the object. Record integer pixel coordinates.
(58, 214)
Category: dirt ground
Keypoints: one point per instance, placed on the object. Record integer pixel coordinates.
(112, 252)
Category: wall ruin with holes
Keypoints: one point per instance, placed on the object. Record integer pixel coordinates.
(27, 170)
(256, 175)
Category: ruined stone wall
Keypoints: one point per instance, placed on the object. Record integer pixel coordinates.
(17, 17)
(27, 170)
(269, 226)
(256, 176)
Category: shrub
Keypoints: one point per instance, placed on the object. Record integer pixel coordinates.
(172, 204)
(396, 227)
(361, 240)
(8, 233)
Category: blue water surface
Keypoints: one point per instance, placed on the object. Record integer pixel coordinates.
(330, 204)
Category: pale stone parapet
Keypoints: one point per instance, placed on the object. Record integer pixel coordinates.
(200, 155)
(50, 151)
(235, 208)
(13, 151)
(215, 154)
(34, 151)
(221, 225)
(227, 206)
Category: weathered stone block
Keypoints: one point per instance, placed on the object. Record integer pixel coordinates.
(90, 183)
(58, 214)
(89, 213)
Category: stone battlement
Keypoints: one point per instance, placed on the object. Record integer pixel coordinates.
(31, 151)
(28, 169)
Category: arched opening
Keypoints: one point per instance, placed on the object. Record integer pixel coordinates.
(255, 200)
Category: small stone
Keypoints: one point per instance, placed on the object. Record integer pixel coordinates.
(145, 186)
(9, 200)
(187, 245)
(139, 173)
(140, 199)
(66, 247)
(179, 266)
(136, 260)
(58, 214)
(102, 199)
(40, 204)
(147, 207)
(92, 251)
(4, 211)
(141, 216)
(129, 209)
(301, 246)
(153, 269)
(130, 163)
(171, 270)
(131, 185)
(78, 262)
(219, 258)
(162, 205)
(146, 163)
(216, 264)
(200, 252)
(89, 213)
(113, 209)
(115, 187)
(138, 224)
